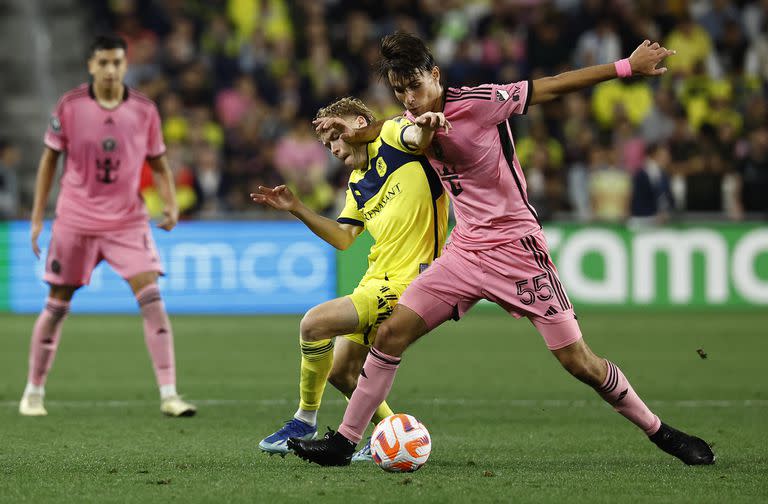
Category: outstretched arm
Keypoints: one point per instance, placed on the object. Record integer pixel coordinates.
(643, 61)
(335, 233)
(419, 135)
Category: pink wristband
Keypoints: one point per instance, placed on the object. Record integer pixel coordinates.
(623, 68)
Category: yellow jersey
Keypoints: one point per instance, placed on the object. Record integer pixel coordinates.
(398, 198)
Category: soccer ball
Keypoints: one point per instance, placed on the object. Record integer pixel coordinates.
(400, 443)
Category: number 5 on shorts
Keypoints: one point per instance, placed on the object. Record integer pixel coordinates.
(527, 295)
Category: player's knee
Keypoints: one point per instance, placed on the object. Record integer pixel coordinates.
(62, 292)
(310, 327)
(384, 334)
(390, 341)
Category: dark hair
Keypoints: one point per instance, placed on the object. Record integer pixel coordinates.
(105, 42)
(404, 55)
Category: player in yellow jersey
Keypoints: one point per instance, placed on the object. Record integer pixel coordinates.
(394, 194)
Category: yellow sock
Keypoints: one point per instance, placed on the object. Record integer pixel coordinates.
(316, 363)
(382, 412)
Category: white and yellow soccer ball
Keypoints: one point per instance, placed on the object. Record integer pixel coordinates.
(400, 443)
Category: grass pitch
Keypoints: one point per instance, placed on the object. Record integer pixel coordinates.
(508, 425)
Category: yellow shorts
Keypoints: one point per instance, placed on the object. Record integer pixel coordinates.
(374, 301)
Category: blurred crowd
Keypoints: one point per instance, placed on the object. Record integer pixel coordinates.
(238, 82)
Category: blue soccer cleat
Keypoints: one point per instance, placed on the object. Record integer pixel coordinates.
(364, 453)
(293, 428)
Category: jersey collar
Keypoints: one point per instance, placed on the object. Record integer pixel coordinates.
(92, 94)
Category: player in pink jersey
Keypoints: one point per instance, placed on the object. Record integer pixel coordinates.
(106, 131)
(497, 250)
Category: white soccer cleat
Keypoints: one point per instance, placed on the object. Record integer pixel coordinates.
(32, 405)
(174, 407)
(363, 454)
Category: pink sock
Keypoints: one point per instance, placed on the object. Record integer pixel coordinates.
(157, 334)
(372, 388)
(617, 392)
(45, 339)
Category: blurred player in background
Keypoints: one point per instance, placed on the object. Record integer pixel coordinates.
(497, 251)
(397, 197)
(106, 131)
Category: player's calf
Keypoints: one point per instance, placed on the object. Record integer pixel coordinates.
(581, 363)
(343, 381)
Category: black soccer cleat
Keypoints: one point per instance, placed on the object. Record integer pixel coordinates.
(690, 449)
(333, 450)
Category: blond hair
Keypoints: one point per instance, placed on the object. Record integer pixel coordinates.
(347, 106)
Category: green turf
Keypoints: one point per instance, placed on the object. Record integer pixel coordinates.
(507, 424)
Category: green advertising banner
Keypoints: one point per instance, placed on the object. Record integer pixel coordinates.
(5, 262)
(352, 263)
(697, 266)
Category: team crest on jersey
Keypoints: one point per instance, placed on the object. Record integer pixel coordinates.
(109, 144)
(55, 124)
(381, 167)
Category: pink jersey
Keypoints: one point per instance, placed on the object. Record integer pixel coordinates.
(105, 151)
(478, 166)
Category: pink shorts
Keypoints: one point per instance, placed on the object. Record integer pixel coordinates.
(518, 276)
(72, 255)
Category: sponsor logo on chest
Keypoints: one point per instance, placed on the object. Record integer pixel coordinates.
(391, 193)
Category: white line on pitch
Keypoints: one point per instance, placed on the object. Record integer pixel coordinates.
(520, 403)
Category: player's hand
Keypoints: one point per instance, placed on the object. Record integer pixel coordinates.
(433, 121)
(363, 135)
(279, 198)
(325, 124)
(645, 58)
(34, 233)
(170, 218)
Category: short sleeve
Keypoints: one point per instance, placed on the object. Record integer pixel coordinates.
(155, 143)
(351, 214)
(493, 103)
(55, 136)
(392, 134)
